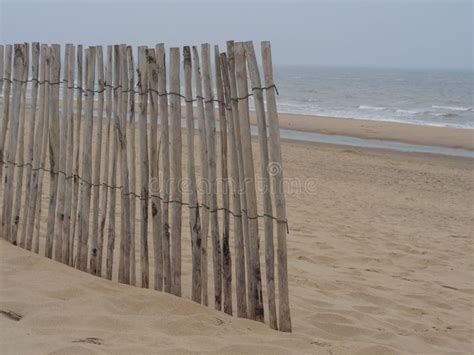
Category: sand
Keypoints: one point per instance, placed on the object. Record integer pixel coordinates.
(380, 262)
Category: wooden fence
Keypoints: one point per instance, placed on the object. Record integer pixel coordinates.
(85, 168)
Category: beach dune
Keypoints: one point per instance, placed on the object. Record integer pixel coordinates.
(380, 261)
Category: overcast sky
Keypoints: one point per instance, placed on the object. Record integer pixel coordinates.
(383, 33)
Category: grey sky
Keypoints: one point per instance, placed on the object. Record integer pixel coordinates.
(384, 33)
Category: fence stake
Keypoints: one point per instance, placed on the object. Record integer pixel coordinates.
(70, 157)
(154, 170)
(113, 167)
(6, 103)
(40, 132)
(132, 162)
(242, 90)
(265, 180)
(54, 146)
(175, 157)
(165, 157)
(242, 181)
(21, 150)
(35, 52)
(194, 220)
(83, 236)
(241, 289)
(211, 148)
(42, 163)
(124, 265)
(2, 63)
(18, 68)
(109, 137)
(142, 89)
(275, 157)
(97, 168)
(77, 146)
(226, 254)
(203, 157)
(63, 143)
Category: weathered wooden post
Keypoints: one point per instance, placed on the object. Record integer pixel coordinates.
(20, 160)
(165, 157)
(86, 187)
(18, 69)
(203, 158)
(194, 220)
(241, 289)
(39, 138)
(97, 162)
(70, 158)
(132, 162)
(6, 104)
(211, 147)
(265, 180)
(63, 143)
(144, 191)
(256, 309)
(54, 146)
(154, 170)
(35, 54)
(284, 317)
(42, 163)
(175, 157)
(113, 166)
(109, 139)
(226, 254)
(121, 128)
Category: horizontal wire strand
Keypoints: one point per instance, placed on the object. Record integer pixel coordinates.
(141, 198)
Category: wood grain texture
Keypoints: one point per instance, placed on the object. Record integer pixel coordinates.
(226, 254)
(121, 128)
(144, 165)
(30, 143)
(284, 317)
(132, 163)
(212, 183)
(239, 151)
(165, 157)
(194, 220)
(97, 163)
(8, 191)
(106, 172)
(203, 158)
(265, 180)
(70, 158)
(7, 74)
(39, 138)
(154, 170)
(54, 147)
(257, 311)
(175, 158)
(20, 157)
(234, 186)
(86, 188)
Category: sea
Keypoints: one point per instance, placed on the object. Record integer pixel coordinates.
(423, 97)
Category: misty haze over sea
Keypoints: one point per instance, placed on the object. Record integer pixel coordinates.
(425, 97)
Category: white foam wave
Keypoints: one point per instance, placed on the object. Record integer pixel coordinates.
(374, 108)
(452, 108)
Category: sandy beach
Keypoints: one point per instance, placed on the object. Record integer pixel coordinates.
(380, 261)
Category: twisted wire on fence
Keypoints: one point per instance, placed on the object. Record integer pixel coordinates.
(145, 92)
(139, 197)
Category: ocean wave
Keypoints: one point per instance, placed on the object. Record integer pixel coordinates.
(452, 108)
(374, 108)
(411, 112)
